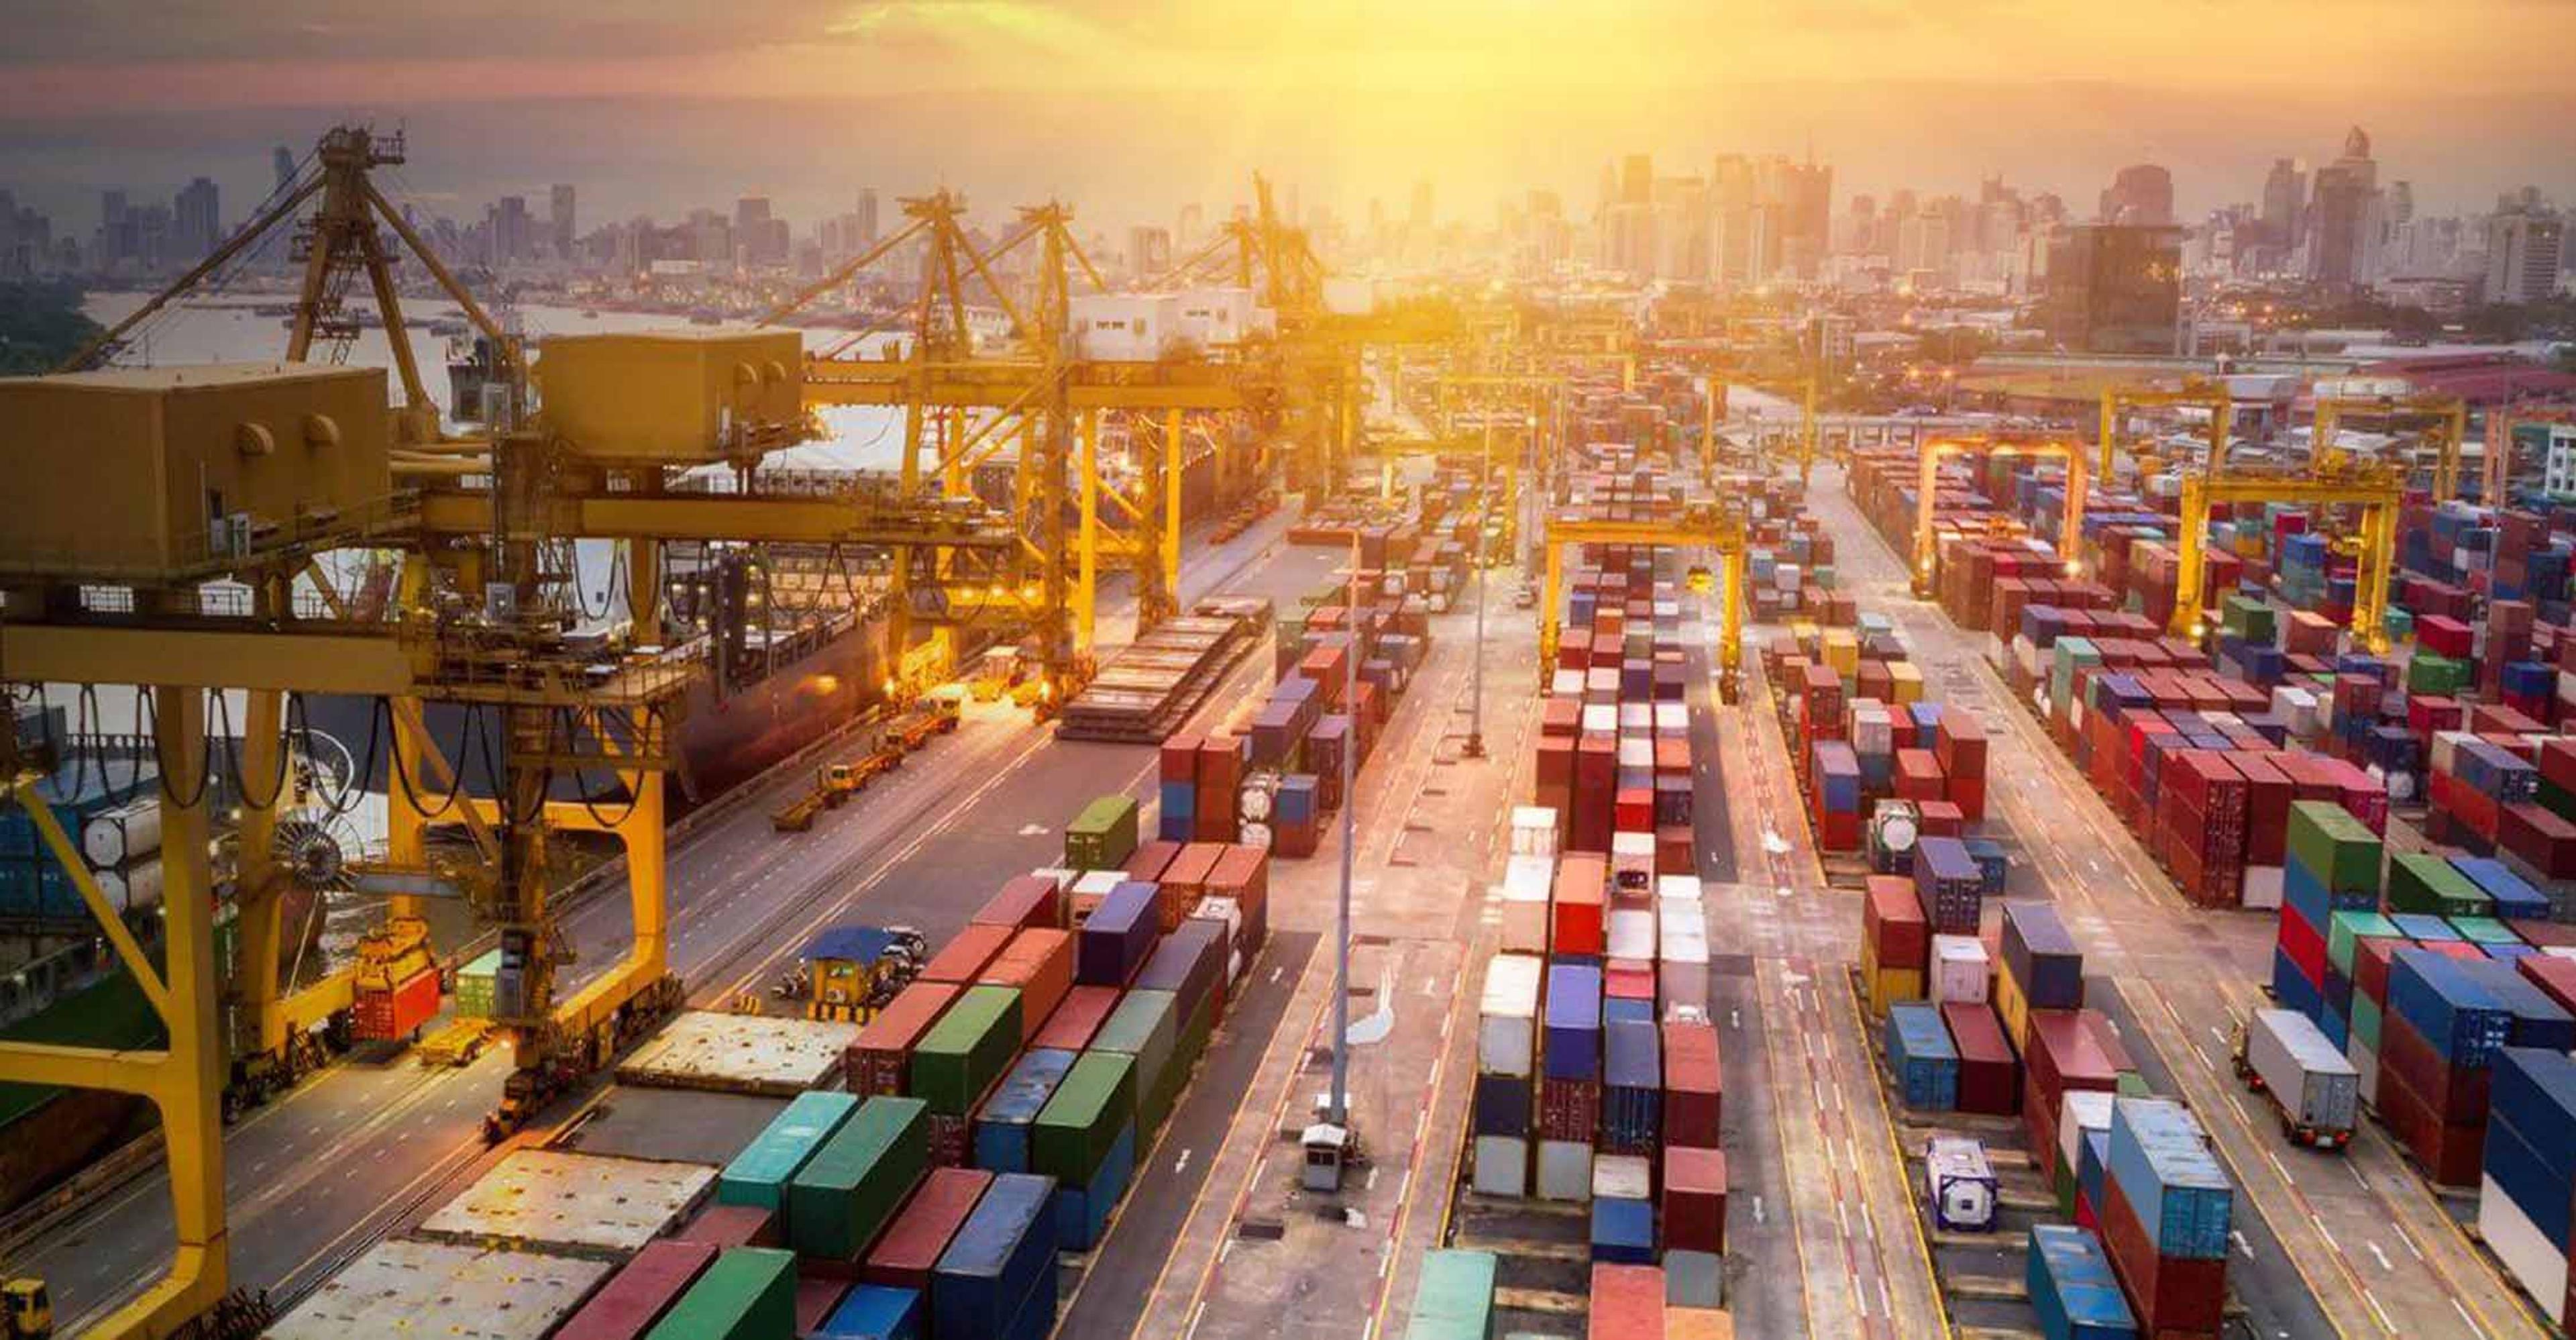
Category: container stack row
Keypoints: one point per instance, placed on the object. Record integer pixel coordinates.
(1879, 764)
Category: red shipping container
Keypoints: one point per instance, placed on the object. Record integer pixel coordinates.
(911, 1245)
(1040, 964)
(385, 1016)
(2267, 808)
(1150, 859)
(1893, 921)
(1918, 776)
(2304, 945)
(2172, 1295)
(1577, 910)
(2453, 1095)
(877, 1058)
(1243, 874)
(1628, 979)
(1180, 758)
(964, 958)
(1989, 1081)
(1070, 1026)
(1559, 718)
(1673, 850)
(1960, 743)
(1694, 1084)
(641, 1291)
(1694, 1200)
(2544, 841)
(1569, 1109)
(2449, 1153)
(1627, 1303)
(816, 1297)
(1969, 795)
(1941, 818)
(722, 1226)
(1025, 901)
(2555, 976)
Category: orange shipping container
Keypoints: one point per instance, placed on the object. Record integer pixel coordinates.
(1039, 963)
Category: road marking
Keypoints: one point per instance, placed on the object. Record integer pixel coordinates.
(1758, 1216)
(2381, 1256)
(2238, 1235)
(1181, 1164)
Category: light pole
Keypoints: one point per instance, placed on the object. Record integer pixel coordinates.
(1484, 522)
(1340, 1114)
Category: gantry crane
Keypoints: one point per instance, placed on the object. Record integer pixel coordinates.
(2500, 423)
(2443, 418)
(2194, 393)
(2044, 446)
(1714, 526)
(2375, 491)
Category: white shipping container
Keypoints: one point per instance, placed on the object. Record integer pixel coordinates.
(1960, 969)
(1681, 925)
(1062, 877)
(1622, 1177)
(1533, 830)
(2083, 1110)
(1636, 719)
(1565, 684)
(2262, 886)
(1098, 883)
(2446, 750)
(2535, 1263)
(1528, 879)
(1636, 751)
(1873, 732)
(1565, 1170)
(1632, 936)
(1502, 1166)
(2316, 1088)
(1672, 718)
(1601, 718)
(1507, 1017)
(1677, 887)
(1785, 577)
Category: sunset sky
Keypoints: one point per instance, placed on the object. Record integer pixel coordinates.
(1132, 108)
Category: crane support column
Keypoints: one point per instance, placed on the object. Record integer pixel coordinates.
(1175, 462)
(1086, 594)
(257, 891)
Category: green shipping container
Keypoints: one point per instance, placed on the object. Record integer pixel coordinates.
(2436, 675)
(1455, 1298)
(968, 1049)
(1103, 836)
(2365, 1021)
(1145, 1025)
(851, 1188)
(2422, 882)
(2485, 930)
(2349, 929)
(760, 1173)
(1095, 1101)
(474, 986)
(2335, 847)
(749, 1293)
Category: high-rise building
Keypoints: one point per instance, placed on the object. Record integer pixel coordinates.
(2283, 191)
(1637, 179)
(197, 225)
(1418, 216)
(751, 231)
(560, 206)
(867, 221)
(2339, 222)
(511, 230)
(2524, 251)
(1149, 251)
(2140, 194)
(1735, 250)
(2115, 288)
(283, 162)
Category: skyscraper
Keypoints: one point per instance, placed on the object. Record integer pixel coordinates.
(2339, 216)
(2141, 194)
(511, 228)
(284, 162)
(198, 220)
(867, 230)
(561, 217)
(2115, 288)
(2523, 254)
(2283, 190)
(1637, 179)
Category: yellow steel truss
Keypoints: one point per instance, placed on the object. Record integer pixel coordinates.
(2070, 536)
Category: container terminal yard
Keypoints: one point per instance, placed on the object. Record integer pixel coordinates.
(1469, 811)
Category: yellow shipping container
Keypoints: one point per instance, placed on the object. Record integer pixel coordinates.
(1890, 986)
(1842, 651)
(1698, 1323)
(1907, 679)
(2012, 1006)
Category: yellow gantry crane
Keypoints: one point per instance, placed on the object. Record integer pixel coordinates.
(1713, 526)
(2070, 537)
(2444, 419)
(2375, 494)
(2500, 423)
(2194, 393)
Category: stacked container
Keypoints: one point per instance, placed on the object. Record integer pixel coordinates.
(2167, 1217)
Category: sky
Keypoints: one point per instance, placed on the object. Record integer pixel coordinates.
(1130, 109)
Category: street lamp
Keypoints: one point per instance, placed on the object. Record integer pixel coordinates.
(1484, 522)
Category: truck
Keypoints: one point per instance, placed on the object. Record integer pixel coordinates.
(2314, 1089)
(1960, 1185)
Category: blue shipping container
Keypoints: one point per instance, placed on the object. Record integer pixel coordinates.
(875, 1312)
(1002, 1257)
(1188, 963)
(1114, 943)
(1002, 1125)
(1632, 1097)
(1623, 1230)
(2161, 1162)
(1503, 1105)
(1924, 1058)
(2072, 1286)
(1572, 1049)
(2449, 1008)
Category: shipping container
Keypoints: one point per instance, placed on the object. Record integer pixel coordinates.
(1006, 1121)
(1507, 1018)
(640, 1292)
(875, 1312)
(1000, 1264)
(2072, 1287)
(1959, 1185)
(1147, 1025)
(1926, 1063)
(969, 1048)
(2161, 1160)
(1094, 1102)
(1454, 1298)
(746, 1293)
(880, 1060)
(759, 1175)
(851, 1187)
(915, 1240)
(2311, 1084)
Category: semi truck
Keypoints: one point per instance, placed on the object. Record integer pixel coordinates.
(2315, 1091)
